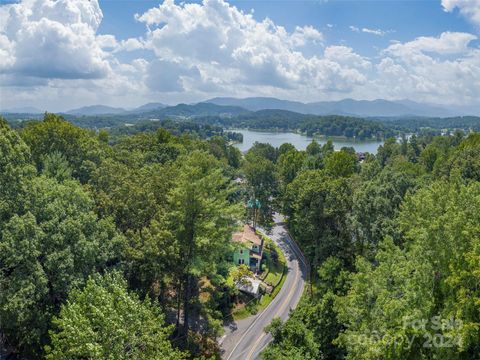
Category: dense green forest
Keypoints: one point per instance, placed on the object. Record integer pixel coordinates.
(97, 237)
(331, 125)
(116, 245)
(202, 121)
(202, 131)
(394, 248)
(206, 118)
(415, 124)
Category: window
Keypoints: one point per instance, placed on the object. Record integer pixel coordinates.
(241, 261)
(241, 251)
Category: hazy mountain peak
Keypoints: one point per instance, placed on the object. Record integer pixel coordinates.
(148, 107)
(95, 110)
(23, 110)
(348, 106)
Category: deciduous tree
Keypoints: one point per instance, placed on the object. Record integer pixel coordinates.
(105, 321)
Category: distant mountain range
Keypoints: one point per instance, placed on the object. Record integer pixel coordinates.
(363, 123)
(200, 109)
(228, 106)
(350, 107)
(23, 110)
(108, 110)
(95, 110)
(159, 111)
(148, 107)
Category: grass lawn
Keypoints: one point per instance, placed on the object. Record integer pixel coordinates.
(267, 298)
(248, 306)
(275, 270)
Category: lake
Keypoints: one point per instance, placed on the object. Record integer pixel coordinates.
(299, 141)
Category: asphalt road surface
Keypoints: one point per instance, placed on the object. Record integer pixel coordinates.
(245, 339)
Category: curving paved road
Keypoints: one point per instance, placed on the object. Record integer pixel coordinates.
(245, 339)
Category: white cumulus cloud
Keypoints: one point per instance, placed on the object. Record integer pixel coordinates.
(51, 53)
(440, 69)
(446, 43)
(230, 48)
(468, 8)
(53, 39)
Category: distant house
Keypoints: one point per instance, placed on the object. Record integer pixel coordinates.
(250, 249)
(361, 156)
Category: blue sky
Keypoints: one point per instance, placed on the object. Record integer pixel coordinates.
(404, 19)
(68, 53)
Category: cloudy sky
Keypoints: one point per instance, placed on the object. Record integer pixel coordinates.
(57, 55)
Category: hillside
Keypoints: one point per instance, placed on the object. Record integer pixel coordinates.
(350, 107)
(95, 110)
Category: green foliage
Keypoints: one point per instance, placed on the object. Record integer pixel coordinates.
(436, 124)
(149, 262)
(44, 253)
(145, 148)
(331, 125)
(318, 206)
(261, 181)
(387, 151)
(334, 125)
(240, 274)
(263, 150)
(313, 326)
(440, 226)
(327, 148)
(292, 340)
(391, 240)
(341, 164)
(379, 303)
(313, 148)
(413, 292)
(284, 148)
(142, 204)
(375, 207)
(201, 221)
(289, 165)
(332, 277)
(465, 162)
(56, 166)
(82, 150)
(177, 128)
(131, 195)
(15, 171)
(221, 150)
(105, 321)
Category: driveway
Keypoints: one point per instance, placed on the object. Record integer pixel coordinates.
(245, 339)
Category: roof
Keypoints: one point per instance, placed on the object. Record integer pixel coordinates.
(247, 235)
(252, 287)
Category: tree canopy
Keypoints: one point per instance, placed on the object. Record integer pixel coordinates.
(105, 321)
(117, 244)
(393, 245)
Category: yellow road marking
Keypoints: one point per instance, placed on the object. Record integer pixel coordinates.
(299, 258)
(287, 300)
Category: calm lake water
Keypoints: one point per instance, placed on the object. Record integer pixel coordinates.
(299, 141)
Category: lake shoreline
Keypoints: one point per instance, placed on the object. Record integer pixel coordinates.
(301, 140)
